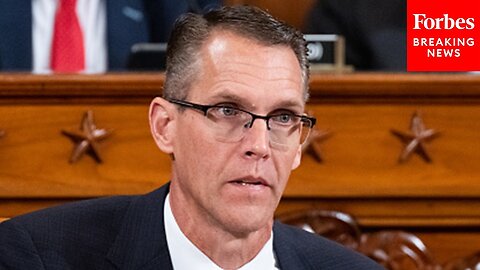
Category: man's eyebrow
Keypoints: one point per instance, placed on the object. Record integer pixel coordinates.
(284, 104)
(229, 97)
(289, 104)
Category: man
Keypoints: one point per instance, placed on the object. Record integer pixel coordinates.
(231, 118)
(110, 28)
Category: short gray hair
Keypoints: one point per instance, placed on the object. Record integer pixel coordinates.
(192, 30)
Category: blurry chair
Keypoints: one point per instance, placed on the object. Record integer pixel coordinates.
(471, 262)
(334, 225)
(397, 250)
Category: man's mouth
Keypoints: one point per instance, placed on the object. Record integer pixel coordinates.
(243, 183)
(250, 182)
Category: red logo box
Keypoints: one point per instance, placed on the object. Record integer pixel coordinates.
(443, 35)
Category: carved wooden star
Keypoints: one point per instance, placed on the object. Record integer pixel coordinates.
(87, 140)
(312, 144)
(415, 139)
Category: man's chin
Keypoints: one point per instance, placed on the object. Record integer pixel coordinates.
(244, 222)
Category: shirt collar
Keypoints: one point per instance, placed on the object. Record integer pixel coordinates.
(181, 248)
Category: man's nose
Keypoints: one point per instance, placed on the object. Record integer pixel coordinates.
(257, 140)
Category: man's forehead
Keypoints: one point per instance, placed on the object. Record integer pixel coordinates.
(222, 44)
(220, 36)
(227, 43)
(231, 64)
(227, 51)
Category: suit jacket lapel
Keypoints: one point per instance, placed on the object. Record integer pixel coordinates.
(16, 31)
(280, 245)
(141, 242)
(287, 255)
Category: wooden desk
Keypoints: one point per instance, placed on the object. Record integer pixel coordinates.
(360, 174)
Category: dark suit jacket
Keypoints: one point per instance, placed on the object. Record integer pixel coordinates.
(374, 30)
(128, 22)
(127, 232)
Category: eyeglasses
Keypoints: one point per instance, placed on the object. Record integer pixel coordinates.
(230, 124)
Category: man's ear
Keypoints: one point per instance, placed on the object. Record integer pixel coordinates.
(161, 116)
(298, 158)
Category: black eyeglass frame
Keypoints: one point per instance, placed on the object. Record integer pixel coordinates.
(205, 108)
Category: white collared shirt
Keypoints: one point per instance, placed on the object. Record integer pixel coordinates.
(92, 17)
(186, 256)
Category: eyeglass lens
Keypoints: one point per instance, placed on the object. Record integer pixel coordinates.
(231, 125)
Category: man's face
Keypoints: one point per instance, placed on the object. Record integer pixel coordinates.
(236, 186)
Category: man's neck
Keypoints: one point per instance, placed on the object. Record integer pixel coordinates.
(229, 250)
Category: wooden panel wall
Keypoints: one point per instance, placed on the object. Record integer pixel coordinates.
(360, 173)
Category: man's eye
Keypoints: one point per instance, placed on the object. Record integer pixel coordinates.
(227, 111)
(283, 119)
